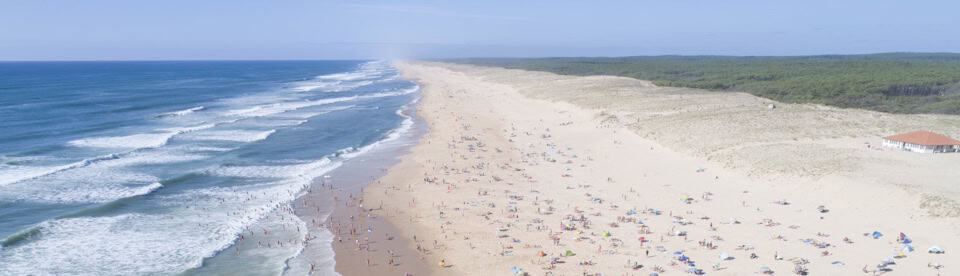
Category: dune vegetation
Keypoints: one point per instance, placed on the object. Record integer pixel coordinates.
(892, 82)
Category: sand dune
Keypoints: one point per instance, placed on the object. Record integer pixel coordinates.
(514, 157)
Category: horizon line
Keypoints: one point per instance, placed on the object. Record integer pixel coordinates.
(450, 58)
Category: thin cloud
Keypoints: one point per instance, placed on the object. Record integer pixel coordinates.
(428, 10)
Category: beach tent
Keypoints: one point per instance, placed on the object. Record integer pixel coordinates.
(935, 250)
(654, 274)
(724, 256)
(606, 234)
(569, 253)
(907, 248)
(876, 234)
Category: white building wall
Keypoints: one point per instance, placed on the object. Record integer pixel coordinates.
(918, 148)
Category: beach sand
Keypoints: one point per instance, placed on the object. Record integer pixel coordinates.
(519, 167)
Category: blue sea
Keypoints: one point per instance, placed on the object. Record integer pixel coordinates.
(158, 168)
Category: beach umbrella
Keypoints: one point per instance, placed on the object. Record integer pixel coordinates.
(876, 234)
(907, 248)
(654, 274)
(935, 250)
(724, 256)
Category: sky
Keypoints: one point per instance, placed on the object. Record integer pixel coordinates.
(315, 29)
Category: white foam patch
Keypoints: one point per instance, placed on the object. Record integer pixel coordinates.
(306, 115)
(193, 148)
(137, 141)
(277, 108)
(276, 122)
(143, 140)
(233, 135)
(279, 171)
(181, 112)
(199, 224)
(391, 93)
(14, 174)
(83, 186)
(95, 182)
(367, 74)
(151, 157)
(313, 85)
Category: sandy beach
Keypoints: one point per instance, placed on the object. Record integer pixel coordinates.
(538, 173)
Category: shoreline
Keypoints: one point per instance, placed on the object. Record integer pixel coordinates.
(342, 189)
(505, 160)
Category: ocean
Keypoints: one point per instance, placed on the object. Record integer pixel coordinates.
(159, 168)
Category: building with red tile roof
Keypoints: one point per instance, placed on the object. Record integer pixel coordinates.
(922, 141)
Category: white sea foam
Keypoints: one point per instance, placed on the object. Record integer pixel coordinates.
(192, 148)
(392, 93)
(137, 141)
(83, 186)
(276, 122)
(367, 74)
(348, 76)
(195, 223)
(237, 135)
(36, 172)
(93, 180)
(14, 174)
(180, 112)
(312, 85)
(277, 108)
(200, 223)
(278, 171)
(142, 140)
(307, 114)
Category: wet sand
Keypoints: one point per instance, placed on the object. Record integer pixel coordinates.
(372, 238)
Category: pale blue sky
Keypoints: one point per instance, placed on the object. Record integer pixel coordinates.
(240, 29)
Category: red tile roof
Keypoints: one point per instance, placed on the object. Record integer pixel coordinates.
(923, 137)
